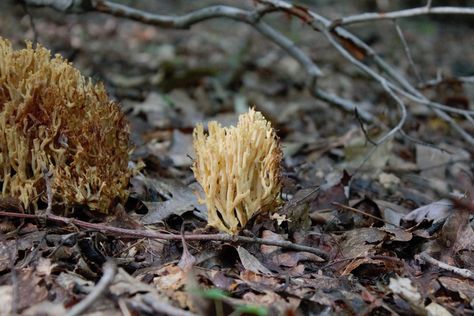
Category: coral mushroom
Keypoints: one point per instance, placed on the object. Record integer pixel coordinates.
(53, 119)
(238, 169)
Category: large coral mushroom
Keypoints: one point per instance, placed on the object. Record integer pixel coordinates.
(52, 118)
(238, 169)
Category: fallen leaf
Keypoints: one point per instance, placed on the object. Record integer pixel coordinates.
(181, 151)
(435, 309)
(464, 287)
(406, 290)
(436, 211)
(457, 233)
(431, 161)
(397, 234)
(359, 242)
(187, 260)
(6, 300)
(292, 258)
(389, 180)
(251, 263)
(182, 199)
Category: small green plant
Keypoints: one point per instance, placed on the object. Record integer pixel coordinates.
(220, 297)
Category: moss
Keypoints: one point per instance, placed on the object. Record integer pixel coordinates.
(52, 118)
(238, 169)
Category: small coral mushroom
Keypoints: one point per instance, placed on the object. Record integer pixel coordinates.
(239, 170)
(53, 119)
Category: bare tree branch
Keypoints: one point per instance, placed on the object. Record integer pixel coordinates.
(325, 26)
(367, 17)
(331, 29)
(407, 51)
(109, 273)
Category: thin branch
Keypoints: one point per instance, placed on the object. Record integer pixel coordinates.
(362, 127)
(459, 271)
(426, 10)
(403, 118)
(467, 79)
(352, 209)
(176, 22)
(407, 51)
(429, 3)
(161, 307)
(109, 273)
(291, 48)
(345, 104)
(165, 236)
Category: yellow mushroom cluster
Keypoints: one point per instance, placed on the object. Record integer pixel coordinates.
(55, 123)
(238, 168)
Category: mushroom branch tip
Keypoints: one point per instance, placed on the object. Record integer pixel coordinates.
(238, 168)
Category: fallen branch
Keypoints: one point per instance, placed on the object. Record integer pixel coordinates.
(459, 271)
(136, 233)
(109, 273)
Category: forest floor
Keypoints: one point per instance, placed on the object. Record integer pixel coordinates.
(384, 224)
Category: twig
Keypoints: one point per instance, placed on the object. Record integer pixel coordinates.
(352, 209)
(345, 104)
(165, 236)
(406, 49)
(362, 127)
(462, 272)
(429, 3)
(163, 308)
(109, 273)
(366, 17)
(420, 142)
(467, 79)
(373, 257)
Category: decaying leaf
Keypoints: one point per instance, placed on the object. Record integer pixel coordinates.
(181, 199)
(404, 288)
(250, 262)
(436, 211)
